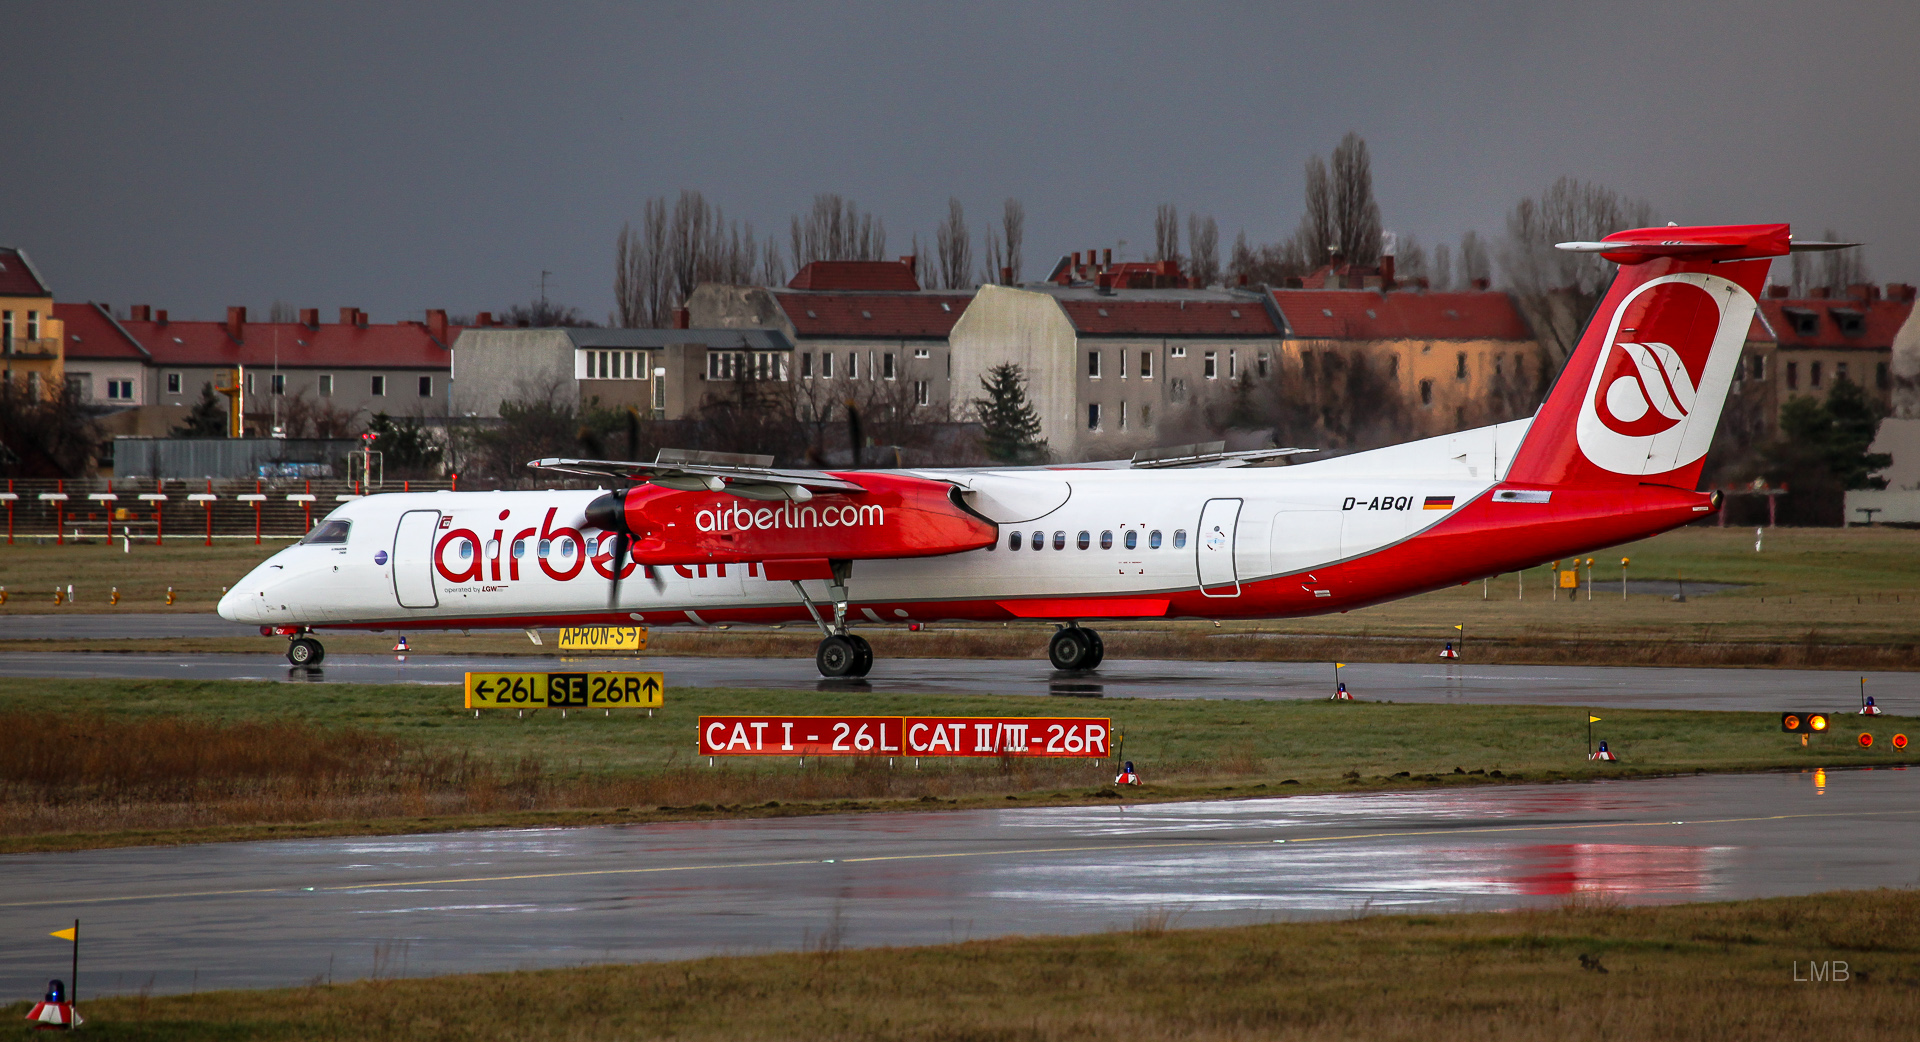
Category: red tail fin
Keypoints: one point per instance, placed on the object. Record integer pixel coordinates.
(1639, 399)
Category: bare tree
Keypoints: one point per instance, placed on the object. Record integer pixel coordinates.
(642, 286)
(773, 267)
(1355, 213)
(1835, 270)
(1475, 265)
(1442, 278)
(282, 312)
(1013, 229)
(1203, 241)
(1556, 289)
(836, 230)
(1409, 257)
(990, 258)
(954, 244)
(1166, 234)
(1318, 234)
(1271, 264)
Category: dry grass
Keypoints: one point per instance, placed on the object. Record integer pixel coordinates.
(1586, 970)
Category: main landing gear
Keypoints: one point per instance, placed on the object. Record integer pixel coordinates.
(1075, 648)
(841, 654)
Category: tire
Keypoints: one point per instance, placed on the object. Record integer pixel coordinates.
(1099, 650)
(837, 658)
(1070, 649)
(306, 652)
(865, 652)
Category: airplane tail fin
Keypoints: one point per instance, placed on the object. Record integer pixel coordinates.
(1641, 395)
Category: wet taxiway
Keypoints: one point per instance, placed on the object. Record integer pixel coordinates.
(1616, 686)
(283, 913)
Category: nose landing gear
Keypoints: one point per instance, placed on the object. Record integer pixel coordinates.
(1075, 648)
(841, 654)
(305, 651)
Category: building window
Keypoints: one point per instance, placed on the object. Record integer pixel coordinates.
(1757, 367)
(1393, 367)
(173, 383)
(326, 385)
(1212, 365)
(1233, 364)
(249, 383)
(922, 393)
(1260, 365)
(1499, 366)
(1177, 389)
(886, 361)
(6, 328)
(1176, 352)
(921, 352)
(1146, 365)
(806, 366)
(279, 383)
(426, 387)
(1093, 365)
(119, 390)
(1793, 376)
(1813, 374)
(1146, 416)
(378, 387)
(33, 325)
(853, 365)
(1093, 416)
(1839, 371)
(1460, 366)
(1426, 392)
(826, 365)
(1123, 416)
(1880, 375)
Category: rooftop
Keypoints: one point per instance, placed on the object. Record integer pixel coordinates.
(93, 333)
(655, 339)
(878, 276)
(18, 278)
(1840, 323)
(1361, 314)
(920, 315)
(291, 345)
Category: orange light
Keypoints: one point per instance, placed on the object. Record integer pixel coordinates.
(1818, 722)
(1790, 723)
(1866, 740)
(1899, 741)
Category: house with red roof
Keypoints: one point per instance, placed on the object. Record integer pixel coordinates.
(31, 341)
(861, 330)
(106, 366)
(1802, 347)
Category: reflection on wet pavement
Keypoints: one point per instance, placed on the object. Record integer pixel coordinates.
(259, 914)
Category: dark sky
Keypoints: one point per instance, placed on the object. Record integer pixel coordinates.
(397, 157)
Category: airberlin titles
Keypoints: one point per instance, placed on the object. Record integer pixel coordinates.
(898, 516)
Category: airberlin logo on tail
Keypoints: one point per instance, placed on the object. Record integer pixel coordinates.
(1657, 388)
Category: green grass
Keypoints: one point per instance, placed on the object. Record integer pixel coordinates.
(1684, 972)
(459, 771)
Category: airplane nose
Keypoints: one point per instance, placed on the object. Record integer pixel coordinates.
(229, 608)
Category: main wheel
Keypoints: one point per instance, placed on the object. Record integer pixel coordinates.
(865, 651)
(837, 657)
(306, 652)
(1099, 650)
(1070, 649)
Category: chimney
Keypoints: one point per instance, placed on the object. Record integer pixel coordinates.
(141, 313)
(1900, 291)
(310, 317)
(1863, 291)
(681, 318)
(236, 324)
(1006, 275)
(1243, 280)
(1819, 293)
(1106, 259)
(1386, 271)
(1106, 282)
(1075, 269)
(437, 324)
(1778, 291)
(160, 317)
(1481, 285)
(483, 319)
(349, 316)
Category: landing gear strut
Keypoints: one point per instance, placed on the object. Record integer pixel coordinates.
(1075, 648)
(305, 651)
(841, 654)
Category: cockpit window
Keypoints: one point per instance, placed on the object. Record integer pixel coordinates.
(329, 532)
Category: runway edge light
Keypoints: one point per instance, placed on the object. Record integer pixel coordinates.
(1803, 722)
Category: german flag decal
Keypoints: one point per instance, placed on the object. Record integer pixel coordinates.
(1438, 503)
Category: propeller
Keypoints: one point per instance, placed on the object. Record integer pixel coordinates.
(608, 513)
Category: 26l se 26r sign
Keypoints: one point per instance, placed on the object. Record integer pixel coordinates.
(904, 736)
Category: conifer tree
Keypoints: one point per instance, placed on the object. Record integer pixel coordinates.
(1009, 425)
(206, 419)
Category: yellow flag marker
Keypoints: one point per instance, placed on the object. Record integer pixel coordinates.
(1458, 626)
(65, 935)
(1593, 719)
(1339, 665)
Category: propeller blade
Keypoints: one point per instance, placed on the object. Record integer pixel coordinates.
(659, 581)
(619, 565)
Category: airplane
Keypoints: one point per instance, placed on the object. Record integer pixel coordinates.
(1613, 454)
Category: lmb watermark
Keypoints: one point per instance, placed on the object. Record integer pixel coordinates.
(1833, 971)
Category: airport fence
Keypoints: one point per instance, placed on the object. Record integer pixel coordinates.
(170, 509)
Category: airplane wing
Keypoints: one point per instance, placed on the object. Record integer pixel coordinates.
(749, 477)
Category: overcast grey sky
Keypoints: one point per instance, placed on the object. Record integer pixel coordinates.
(397, 157)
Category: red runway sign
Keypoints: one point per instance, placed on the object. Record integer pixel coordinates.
(904, 736)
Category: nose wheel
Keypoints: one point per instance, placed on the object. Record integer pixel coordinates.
(844, 655)
(1075, 648)
(305, 651)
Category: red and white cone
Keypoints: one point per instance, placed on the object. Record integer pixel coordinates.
(1341, 694)
(401, 644)
(1603, 753)
(1448, 651)
(55, 1016)
(1127, 775)
(1869, 709)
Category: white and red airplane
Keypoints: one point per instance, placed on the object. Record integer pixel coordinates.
(1613, 455)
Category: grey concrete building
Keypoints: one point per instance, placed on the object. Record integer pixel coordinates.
(662, 373)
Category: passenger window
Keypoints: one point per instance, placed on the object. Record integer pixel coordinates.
(329, 532)
(1106, 540)
(1153, 539)
(566, 548)
(493, 548)
(519, 548)
(1084, 540)
(1059, 540)
(1179, 538)
(1013, 541)
(1133, 538)
(1039, 540)
(466, 549)
(546, 547)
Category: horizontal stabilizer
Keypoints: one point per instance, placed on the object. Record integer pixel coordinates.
(1205, 454)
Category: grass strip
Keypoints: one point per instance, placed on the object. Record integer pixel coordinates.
(1585, 969)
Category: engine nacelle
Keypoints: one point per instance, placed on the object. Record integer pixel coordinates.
(897, 516)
